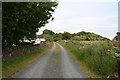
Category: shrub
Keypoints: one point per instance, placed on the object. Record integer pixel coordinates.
(94, 55)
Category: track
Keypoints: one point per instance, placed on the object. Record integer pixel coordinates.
(52, 65)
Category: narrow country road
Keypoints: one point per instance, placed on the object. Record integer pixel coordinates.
(52, 65)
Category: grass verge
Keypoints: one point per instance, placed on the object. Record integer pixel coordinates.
(11, 67)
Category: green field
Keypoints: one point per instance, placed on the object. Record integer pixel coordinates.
(97, 56)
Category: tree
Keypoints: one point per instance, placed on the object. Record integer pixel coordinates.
(58, 37)
(66, 36)
(46, 31)
(48, 37)
(80, 36)
(23, 20)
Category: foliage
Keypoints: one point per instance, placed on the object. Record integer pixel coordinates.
(48, 37)
(23, 20)
(87, 36)
(95, 55)
(58, 37)
(80, 36)
(46, 31)
(66, 36)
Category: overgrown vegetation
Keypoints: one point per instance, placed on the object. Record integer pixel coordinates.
(12, 66)
(80, 36)
(98, 56)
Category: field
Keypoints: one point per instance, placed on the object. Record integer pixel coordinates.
(98, 56)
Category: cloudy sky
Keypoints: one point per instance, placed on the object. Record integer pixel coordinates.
(98, 16)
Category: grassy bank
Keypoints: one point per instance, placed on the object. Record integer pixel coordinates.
(11, 67)
(97, 56)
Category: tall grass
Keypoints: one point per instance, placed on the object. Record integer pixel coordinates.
(95, 55)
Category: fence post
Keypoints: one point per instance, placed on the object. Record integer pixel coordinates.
(118, 58)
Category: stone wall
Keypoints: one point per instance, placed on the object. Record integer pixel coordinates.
(17, 51)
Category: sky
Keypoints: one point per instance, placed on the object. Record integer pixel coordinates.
(97, 16)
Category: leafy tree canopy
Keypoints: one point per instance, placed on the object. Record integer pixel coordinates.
(21, 19)
(46, 31)
(66, 36)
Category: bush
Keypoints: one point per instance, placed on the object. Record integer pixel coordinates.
(94, 55)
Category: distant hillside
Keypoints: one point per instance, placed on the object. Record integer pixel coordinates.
(87, 36)
(80, 36)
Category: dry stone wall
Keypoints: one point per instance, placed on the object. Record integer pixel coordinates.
(17, 51)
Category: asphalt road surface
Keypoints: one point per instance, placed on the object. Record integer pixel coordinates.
(52, 65)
